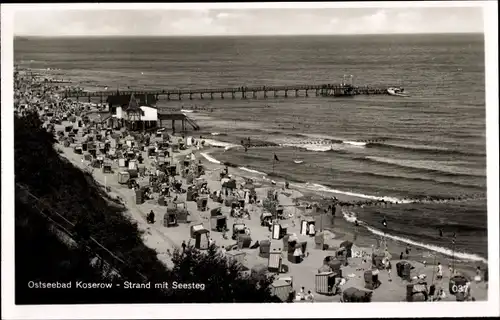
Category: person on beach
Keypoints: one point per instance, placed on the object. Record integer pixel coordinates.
(439, 271)
(477, 278)
(310, 296)
(401, 256)
(151, 217)
(441, 295)
(302, 293)
(183, 245)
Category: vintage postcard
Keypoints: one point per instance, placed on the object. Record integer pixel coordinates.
(242, 156)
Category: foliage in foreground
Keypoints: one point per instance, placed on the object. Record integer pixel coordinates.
(65, 189)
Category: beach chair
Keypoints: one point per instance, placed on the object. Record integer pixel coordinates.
(417, 292)
(202, 203)
(170, 219)
(282, 289)
(236, 256)
(274, 262)
(371, 280)
(325, 283)
(356, 295)
(264, 248)
(139, 196)
(218, 223)
(244, 241)
(201, 237)
(106, 168)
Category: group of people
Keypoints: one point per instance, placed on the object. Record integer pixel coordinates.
(303, 296)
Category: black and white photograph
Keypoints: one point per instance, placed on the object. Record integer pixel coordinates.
(246, 155)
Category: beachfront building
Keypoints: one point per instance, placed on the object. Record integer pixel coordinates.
(135, 112)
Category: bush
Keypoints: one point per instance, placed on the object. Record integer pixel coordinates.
(221, 277)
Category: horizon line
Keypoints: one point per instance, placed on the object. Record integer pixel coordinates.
(246, 35)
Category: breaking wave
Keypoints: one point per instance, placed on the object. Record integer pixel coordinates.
(220, 144)
(322, 188)
(324, 143)
(210, 158)
(428, 165)
(422, 149)
(252, 171)
(355, 143)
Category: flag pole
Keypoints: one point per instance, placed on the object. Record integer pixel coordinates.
(321, 223)
(453, 255)
(433, 269)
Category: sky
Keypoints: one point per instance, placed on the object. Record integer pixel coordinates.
(206, 22)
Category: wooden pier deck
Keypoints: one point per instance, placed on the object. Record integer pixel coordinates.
(325, 90)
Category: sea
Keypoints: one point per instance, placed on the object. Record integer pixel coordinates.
(429, 145)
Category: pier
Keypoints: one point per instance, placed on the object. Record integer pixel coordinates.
(254, 92)
(184, 119)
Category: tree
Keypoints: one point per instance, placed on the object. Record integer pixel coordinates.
(222, 278)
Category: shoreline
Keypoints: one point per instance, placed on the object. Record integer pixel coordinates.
(155, 237)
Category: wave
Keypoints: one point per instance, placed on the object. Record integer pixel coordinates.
(322, 188)
(218, 134)
(210, 158)
(403, 177)
(321, 146)
(324, 143)
(427, 165)
(220, 144)
(351, 217)
(252, 171)
(421, 149)
(316, 147)
(318, 142)
(355, 143)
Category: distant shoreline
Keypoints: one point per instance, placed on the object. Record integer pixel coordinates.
(29, 37)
